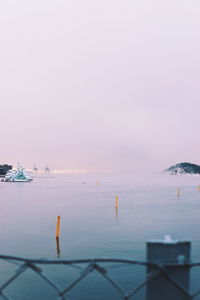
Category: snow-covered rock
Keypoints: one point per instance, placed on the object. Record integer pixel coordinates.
(184, 168)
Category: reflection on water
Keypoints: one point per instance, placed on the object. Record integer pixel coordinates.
(58, 251)
(116, 212)
(28, 213)
(148, 210)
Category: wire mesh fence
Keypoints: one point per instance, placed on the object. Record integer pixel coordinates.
(73, 272)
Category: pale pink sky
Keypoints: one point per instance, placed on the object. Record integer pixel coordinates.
(100, 84)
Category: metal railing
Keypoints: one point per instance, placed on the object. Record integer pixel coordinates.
(103, 267)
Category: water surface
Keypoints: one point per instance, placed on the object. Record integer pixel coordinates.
(90, 226)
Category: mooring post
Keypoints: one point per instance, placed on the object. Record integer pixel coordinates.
(165, 285)
(58, 227)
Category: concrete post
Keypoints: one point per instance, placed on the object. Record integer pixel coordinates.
(164, 252)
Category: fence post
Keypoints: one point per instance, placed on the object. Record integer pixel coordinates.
(164, 252)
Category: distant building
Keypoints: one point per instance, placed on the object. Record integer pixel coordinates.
(4, 169)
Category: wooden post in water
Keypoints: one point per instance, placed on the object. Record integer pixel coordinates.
(165, 253)
(116, 206)
(116, 202)
(58, 227)
(178, 192)
(57, 236)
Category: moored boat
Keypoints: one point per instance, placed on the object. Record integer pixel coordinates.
(18, 175)
(4, 169)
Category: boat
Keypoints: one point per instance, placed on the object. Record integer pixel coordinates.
(4, 169)
(18, 175)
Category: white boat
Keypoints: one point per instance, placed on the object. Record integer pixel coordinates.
(18, 175)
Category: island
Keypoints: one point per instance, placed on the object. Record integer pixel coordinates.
(183, 168)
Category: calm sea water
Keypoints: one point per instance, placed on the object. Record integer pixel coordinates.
(90, 227)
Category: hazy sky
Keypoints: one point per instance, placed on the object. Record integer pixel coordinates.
(100, 85)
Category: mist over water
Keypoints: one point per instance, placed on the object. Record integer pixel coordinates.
(97, 86)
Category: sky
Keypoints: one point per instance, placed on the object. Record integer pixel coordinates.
(100, 86)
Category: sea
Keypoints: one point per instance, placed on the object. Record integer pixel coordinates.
(91, 227)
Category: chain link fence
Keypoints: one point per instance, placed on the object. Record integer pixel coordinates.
(83, 268)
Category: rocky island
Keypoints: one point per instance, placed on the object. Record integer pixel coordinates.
(184, 168)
